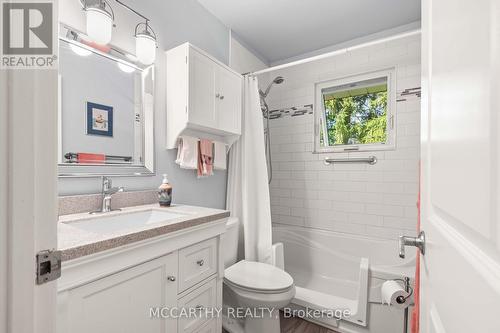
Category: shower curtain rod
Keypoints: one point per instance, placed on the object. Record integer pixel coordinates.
(337, 52)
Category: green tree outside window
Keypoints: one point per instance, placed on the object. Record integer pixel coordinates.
(357, 116)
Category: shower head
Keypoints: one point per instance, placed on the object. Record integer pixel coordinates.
(277, 80)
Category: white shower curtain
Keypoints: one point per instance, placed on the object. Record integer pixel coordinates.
(248, 190)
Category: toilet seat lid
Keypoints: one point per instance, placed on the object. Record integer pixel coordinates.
(258, 276)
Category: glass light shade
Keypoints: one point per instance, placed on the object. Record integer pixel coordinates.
(145, 48)
(99, 25)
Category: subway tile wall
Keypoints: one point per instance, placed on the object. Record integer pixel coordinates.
(379, 200)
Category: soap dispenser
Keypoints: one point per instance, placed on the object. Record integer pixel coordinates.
(165, 192)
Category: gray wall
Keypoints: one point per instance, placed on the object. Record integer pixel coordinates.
(175, 22)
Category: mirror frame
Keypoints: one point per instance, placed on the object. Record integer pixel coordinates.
(68, 170)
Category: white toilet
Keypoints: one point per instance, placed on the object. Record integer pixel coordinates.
(252, 286)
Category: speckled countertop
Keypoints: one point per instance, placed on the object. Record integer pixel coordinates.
(76, 239)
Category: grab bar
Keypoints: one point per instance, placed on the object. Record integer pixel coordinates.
(370, 160)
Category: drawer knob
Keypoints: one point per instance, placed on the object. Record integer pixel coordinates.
(200, 262)
(171, 278)
(221, 97)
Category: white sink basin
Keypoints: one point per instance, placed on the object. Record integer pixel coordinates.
(124, 221)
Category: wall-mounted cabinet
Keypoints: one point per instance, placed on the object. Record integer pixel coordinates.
(203, 97)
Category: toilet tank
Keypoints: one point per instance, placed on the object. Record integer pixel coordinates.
(230, 242)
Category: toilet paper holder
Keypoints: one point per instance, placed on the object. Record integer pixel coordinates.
(406, 286)
(408, 289)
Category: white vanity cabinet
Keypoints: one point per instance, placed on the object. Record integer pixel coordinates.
(204, 96)
(114, 291)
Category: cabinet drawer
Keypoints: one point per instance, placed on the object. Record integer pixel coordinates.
(205, 297)
(196, 263)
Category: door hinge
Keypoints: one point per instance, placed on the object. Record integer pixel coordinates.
(48, 266)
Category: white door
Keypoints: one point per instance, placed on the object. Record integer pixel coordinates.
(28, 194)
(4, 194)
(460, 272)
(202, 97)
(228, 87)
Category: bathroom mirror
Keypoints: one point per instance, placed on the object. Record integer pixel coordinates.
(105, 110)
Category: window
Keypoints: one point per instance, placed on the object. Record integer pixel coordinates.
(355, 113)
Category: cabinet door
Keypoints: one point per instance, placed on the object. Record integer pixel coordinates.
(202, 98)
(228, 107)
(121, 303)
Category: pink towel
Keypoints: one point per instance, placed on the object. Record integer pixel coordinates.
(91, 158)
(205, 158)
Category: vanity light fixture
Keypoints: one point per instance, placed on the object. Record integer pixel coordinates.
(100, 18)
(145, 43)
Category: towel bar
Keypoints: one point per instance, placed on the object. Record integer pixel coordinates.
(109, 159)
(370, 160)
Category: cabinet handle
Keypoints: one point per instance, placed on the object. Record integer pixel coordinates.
(221, 97)
(171, 278)
(200, 262)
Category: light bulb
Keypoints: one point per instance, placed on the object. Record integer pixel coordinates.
(99, 25)
(145, 48)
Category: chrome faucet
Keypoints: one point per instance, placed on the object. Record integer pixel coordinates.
(107, 192)
(418, 242)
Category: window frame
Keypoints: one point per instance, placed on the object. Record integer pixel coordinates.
(319, 112)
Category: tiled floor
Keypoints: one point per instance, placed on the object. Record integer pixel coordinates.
(297, 325)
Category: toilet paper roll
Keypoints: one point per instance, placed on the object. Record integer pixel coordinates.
(394, 294)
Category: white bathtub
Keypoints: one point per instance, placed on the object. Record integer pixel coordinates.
(340, 271)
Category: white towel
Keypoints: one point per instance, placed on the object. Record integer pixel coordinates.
(187, 152)
(220, 152)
